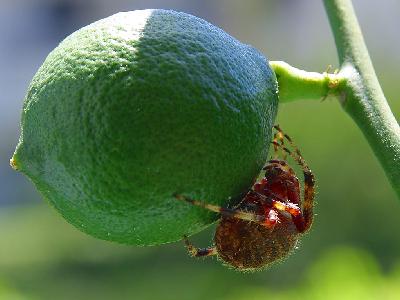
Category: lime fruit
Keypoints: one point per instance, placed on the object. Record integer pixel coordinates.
(133, 108)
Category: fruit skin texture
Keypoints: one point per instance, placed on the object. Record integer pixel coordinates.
(133, 108)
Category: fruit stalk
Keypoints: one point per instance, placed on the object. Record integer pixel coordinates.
(296, 84)
(355, 85)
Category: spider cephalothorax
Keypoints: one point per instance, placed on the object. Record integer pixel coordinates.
(267, 223)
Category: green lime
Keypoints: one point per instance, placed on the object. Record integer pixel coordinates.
(138, 106)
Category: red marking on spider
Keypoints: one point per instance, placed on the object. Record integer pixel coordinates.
(266, 225)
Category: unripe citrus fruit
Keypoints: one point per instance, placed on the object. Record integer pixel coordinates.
(133, 108)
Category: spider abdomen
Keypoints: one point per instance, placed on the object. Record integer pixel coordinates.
(249, 246)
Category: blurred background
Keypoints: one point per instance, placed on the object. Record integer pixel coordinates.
(353, 249)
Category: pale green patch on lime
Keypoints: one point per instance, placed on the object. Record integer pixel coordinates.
(133, 108)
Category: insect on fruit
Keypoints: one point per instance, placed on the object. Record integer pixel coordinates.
(266, 225)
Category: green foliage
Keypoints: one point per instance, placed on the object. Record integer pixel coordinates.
(81, 267)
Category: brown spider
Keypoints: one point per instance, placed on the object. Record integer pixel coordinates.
(266, 225)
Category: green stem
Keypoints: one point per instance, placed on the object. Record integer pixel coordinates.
(365, 101)
(356, 86)
(296, 84)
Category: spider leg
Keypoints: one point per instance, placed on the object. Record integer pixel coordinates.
(198, 252)
(309, 180)
(296, 155)
(281, 205)
(294, 210)
(268, 220)
(279, 138)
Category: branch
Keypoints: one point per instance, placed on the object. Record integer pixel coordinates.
(364, 99)
(355, 85)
